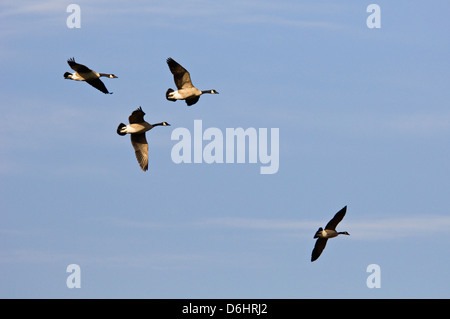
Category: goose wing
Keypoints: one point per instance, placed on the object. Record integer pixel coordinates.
(80, 68)
(137, 116)
(140, 146)
(180, 75)
(318, 248)
(192, 100)
(336, 219)
(99, 85)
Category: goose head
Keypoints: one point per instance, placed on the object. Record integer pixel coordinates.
(343, 233)
(210, 92)
(108, 75)
(161, 124)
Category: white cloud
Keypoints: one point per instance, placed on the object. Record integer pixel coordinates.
(282, 21)
(136, 224)
(261, 224)
(248, 12)
(388, 228)
(424, 123)
(12, 8)
(367, 229)
(156, 260)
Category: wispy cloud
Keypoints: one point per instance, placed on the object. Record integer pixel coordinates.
(286, 13)
(260, 224)
(396, 227)
(12, 8)
(367, 123)
(144, 260)
(384, 228)
(137, 224)
(301, 23)
(367, 229)
(424, 123)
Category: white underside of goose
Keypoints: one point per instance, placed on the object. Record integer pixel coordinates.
(136, 128)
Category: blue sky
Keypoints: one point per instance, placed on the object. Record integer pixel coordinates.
(364, 121)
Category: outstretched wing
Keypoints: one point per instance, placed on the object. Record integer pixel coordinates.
(98, 84)
(137, 116)
(140, 146)
(336, 219)
(80, 68)
(180, 75)
(318, 248)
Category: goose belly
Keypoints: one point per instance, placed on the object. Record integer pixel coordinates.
(176, 95)
(85, 76)
(185, 93)
(326, 233)
(77, 77)
(138, 128)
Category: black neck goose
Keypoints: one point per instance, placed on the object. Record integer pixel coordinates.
(328, 232)
(186, 90)
(137, 128)
(83, 73)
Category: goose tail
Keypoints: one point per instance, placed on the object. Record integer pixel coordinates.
(67, 75)
(318, 232)
(168, 95)
(119, 129)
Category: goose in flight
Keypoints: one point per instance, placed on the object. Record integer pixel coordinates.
(186, 90)
(83, 73)
(137, 128)
(328, 232)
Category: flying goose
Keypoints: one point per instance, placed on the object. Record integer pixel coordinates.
(328, 232)
(83, 73)
(186, 90)
(137, 128)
